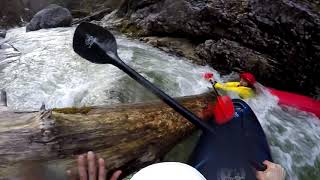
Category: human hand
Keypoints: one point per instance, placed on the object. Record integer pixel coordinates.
(87, 168)
(273, 172)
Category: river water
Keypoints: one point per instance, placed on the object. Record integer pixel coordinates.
(41, 67)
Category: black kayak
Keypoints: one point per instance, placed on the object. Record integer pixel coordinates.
(235, 148)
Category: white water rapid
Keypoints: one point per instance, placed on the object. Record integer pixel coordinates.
(42, 68)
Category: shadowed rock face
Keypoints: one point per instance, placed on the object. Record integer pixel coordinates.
(50, 17)
(285, 34)
(12, 13)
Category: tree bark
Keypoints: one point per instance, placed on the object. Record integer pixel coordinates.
(127, 136)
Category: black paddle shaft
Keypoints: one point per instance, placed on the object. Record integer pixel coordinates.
(163, 96)
(99, 46)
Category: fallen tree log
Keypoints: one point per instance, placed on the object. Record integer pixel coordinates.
(127, 136)
(95, 16)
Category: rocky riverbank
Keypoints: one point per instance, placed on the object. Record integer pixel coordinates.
(278, 40)
(19, 12)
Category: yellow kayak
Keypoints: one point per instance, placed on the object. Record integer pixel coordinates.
(242, 91)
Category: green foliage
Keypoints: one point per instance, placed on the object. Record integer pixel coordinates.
(182, 151)
(311, 173)
(131, 29)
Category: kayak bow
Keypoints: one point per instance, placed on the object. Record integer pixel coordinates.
(298, 101)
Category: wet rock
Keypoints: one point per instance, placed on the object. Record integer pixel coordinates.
(50, 17)
(3, 33)
(13, 13)
(287, 32)
(227, 56)
(181, 17)
(177, 46)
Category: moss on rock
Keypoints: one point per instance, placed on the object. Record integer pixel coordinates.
(131, 29)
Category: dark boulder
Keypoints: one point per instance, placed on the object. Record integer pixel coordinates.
(51, 17)
(287, 32)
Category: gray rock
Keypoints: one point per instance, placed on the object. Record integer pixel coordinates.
(50, 17)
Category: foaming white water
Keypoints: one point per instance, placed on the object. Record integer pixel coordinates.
(293, 135)
(263, 103)
(48, 71)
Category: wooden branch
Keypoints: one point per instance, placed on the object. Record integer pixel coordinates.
(127, 136)
(95, 16)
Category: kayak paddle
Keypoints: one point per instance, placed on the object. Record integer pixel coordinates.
(223, 108)
(99, 46)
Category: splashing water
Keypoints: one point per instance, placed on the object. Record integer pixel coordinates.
(49, 71)
(293, 135)
(42, 67)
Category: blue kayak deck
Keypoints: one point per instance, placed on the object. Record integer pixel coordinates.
(231, 152)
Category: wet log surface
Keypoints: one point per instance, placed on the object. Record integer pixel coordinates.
(127, 136)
